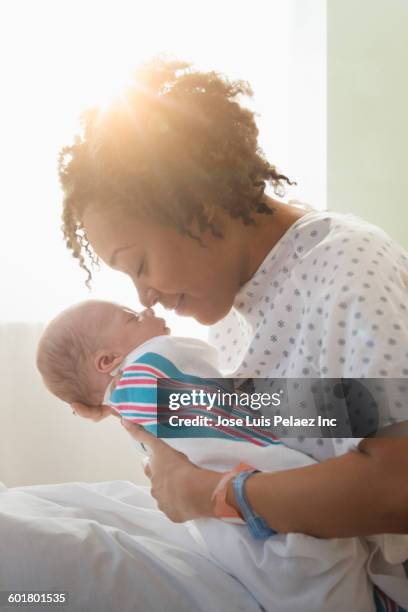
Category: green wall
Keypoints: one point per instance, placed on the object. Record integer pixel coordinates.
(367, 111)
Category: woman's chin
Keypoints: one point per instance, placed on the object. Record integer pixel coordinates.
(201, 315)
(207, 318)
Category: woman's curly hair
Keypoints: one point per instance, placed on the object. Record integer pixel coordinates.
(176, 146)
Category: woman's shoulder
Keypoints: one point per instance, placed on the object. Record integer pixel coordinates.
(333, 222)
(338, 235)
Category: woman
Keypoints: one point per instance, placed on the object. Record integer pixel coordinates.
(167, 186)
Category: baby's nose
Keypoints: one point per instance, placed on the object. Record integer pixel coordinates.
(148, 312)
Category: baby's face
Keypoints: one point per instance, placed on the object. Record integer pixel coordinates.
(123, 329)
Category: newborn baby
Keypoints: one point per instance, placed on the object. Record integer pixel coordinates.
(91, 342)
(98, 352)
(88, 344)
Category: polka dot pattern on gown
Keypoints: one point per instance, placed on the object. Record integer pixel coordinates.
(329, 300)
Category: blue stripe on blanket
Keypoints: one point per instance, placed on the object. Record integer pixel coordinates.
(384, 604)
(148, 403)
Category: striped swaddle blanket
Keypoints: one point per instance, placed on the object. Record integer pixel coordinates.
(166, 365)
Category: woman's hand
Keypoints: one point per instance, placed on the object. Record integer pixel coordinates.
(95, 413)
(182, 490)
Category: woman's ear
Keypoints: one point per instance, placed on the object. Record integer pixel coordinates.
(105, 361)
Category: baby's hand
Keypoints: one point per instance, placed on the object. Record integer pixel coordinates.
(95, 413)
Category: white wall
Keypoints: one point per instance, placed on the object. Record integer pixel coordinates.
(307, 100)
(367, 111)
(40, 439)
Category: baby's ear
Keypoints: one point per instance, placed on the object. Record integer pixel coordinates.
(106, 361)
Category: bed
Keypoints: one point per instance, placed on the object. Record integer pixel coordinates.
(110, 549)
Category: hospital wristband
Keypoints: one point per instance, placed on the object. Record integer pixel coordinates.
(258, 527)
(222, 510)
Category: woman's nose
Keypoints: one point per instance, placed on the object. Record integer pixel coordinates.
(148, 296)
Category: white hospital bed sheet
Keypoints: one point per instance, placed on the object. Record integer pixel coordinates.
(108, 546)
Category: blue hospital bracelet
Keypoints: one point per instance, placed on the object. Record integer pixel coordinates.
(258, 527)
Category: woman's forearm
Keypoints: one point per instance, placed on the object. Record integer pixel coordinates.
(359, 493)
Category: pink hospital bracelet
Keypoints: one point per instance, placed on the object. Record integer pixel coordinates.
(222, 510)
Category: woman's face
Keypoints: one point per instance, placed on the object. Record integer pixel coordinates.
(166, 266)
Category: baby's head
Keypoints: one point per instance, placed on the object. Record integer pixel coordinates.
(85, 343)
